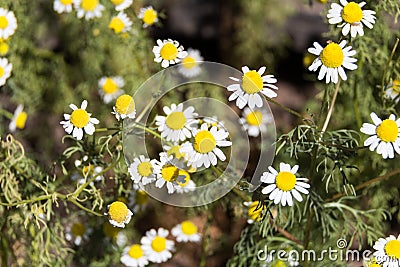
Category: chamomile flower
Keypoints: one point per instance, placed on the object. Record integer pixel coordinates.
(63, 6)
(119, 214)
(166, 172)
(4, 47)
(168, 52)
(332, 59)
(133, 256)
(88, 8)
(184, 183)
(124, 107)
(121, 4)
(255, 211)
(177, 124)
(77, 232)
(115, 234)
(120, 23)
(173, 150)
(352, 16)
(78, 121)
(8, 23)
(250, 85)
(204, 150)
(388, 251)
(138, 198)
(148, 15)
(142, 170)
(384, 135)
(186, 232)
(393, 91)
(19, 119)
(5, 70)
(110, 88)
(156, 247)
(212, 121)
(284, 184)
(255, 121)
(190, 66)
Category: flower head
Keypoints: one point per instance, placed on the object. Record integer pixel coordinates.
(186, 232)
(204, 149)
(255, 211)
(19, 119)
(384, 135)
(124, 107)
(110, 88)
(250, 85)
(166, 172)
(168, 52)
(255, 121)
(5, 70)
(87, 170)
(284, 184)
(121, 4)
(393, 91)
(77, 232)
(156, 247)
(120, 23)
(88, 8)
(184, 183)
(351, 17)
(133, 256)
(190, 65)
(142, 170)
(148, 15)
(388, 251)
(332, 59)
(78, 121)
(119, 214)
(8, 23)
(63, 6)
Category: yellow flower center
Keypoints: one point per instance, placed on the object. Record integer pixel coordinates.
(149, 16)
(308, 59)
(135, 251)
(189, 62)
(185, 180)
(3, 22)
(374, 265)
(145, 168)
(254, 211)
(254, 118)
(66, 2)
(169, 172)
(125, 104)
(285, 181)
(352, 13)
(204, 142)
(3, 50)
(1, 72)
(21, 119)
(252, 82)
(117, 2)
(89, 169)
(80, 118)
(174, 150)
(118, 211)
(332, 55)
(110, 86)
(159, 244)
(396, 86)
(392, 249)
(141, 197)
(388, 131)
(176, 120)
(188, 228)
(109, 230)
(89, 5)
(117, 25)
(78, 229)
(169, 51)
(323, 1)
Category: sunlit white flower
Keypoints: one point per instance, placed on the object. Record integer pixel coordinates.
(110, 88)
(5, 70)
(204, 150)
(190, 65)
(121, 4)
(78, 121)
(387, 252)
(186, 232)
(133, 256)
(8, 23)
(166, 172)
(124, 107)
(177, 124)
(63, 6)
(393, 92)
(284, 184)
(156, 247)
(88, 8)
(184, 183)
(142, 170)
(118, 214)
(77, 232)
(168, 52)
(148, 15)
(250, 85)
(332, 59)
(255, 121)
(352, 16)
(120, 23)
(19, 119)
(384, 135)
(255, 211)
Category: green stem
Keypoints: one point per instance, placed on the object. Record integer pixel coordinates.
(6, 114)
(291, 111)
(330, 111)
(107, 129)
(76, 203)
(150, 131)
